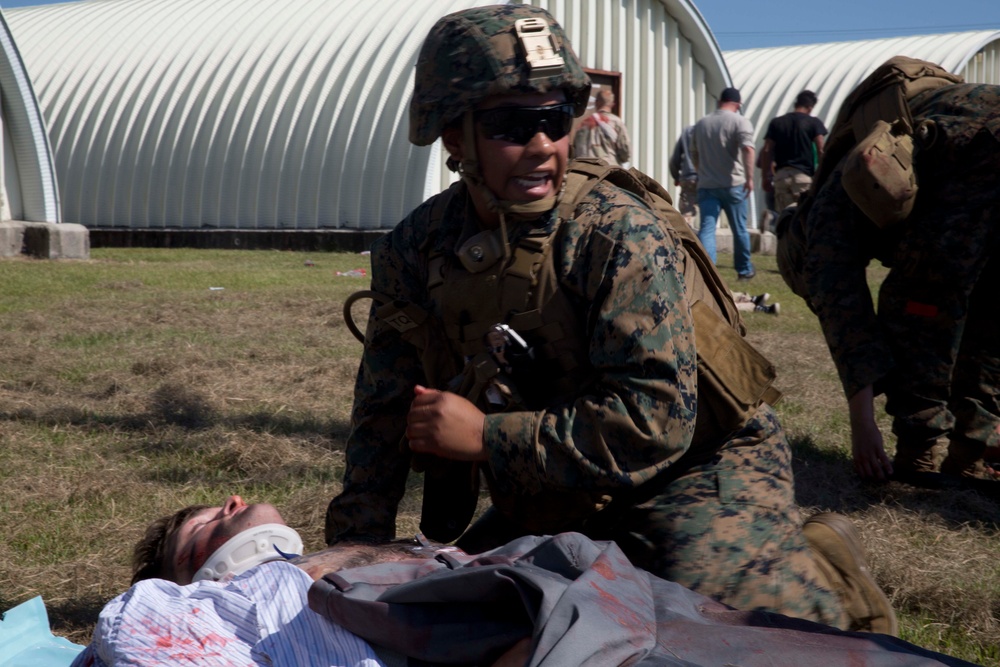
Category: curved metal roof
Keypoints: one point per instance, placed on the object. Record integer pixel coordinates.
(769, 79)
(246, 114)
(30, 177)
(231, 113)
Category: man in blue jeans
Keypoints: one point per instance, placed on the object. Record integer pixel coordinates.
(722, 150)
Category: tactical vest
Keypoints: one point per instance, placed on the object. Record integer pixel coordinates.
(874, 131)
(523, 293)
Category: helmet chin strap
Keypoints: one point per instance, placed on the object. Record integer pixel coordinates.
(468, 169)
(260, 544)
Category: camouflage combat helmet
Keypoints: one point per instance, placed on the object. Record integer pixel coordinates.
(474, 54)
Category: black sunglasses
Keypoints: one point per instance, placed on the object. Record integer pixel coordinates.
(519, 124)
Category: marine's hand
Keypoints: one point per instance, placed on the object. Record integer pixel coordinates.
(870, 460)
(446, 425)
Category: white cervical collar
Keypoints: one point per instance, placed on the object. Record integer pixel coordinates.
(270, 541)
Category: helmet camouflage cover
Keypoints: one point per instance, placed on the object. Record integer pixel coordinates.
(477, 53)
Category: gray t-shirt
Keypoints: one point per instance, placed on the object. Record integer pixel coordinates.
(715, 148)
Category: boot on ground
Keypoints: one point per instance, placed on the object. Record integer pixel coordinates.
(840, 558)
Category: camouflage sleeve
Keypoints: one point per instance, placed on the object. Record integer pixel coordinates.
(376, 466)
(835, 275)
(638, 417)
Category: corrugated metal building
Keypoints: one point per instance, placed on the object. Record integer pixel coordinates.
(27, 172)
(769, 79)
(252, 114)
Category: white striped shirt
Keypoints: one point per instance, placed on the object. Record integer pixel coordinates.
(260, 617)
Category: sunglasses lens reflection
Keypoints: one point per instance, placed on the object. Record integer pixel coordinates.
(519, 124)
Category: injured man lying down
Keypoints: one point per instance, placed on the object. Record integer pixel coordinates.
(224, 586)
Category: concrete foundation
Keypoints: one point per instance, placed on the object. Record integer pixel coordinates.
(72, 241)
(310, 240)
(11, 238)
(45, 240)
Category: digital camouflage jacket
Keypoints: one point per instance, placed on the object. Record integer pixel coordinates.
(632, 412)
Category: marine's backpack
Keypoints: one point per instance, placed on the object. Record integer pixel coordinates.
(873, 136)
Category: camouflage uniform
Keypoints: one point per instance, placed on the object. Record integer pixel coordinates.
(599, 437)
(602, 134)
(934, 344)
(726, 527)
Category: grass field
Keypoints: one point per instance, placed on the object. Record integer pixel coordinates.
(144, 380)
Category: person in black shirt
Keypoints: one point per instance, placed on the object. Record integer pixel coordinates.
(792, 148)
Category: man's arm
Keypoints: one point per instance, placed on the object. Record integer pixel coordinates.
(693, 146)
(837, 255)
(766, 163)
(748, 166)
(820, 141)
(623, 149)
(675, 161)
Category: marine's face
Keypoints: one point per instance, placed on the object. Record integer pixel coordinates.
(519, 160)
(523, 172)
(206, 530)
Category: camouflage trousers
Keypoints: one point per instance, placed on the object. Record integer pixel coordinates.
(937, 305)
(728, 529)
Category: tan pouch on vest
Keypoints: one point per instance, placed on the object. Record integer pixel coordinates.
(878, 174)
(733, 377)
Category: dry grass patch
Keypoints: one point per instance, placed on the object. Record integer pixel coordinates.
(129, 389)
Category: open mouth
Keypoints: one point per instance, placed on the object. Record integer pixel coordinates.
(534, 180)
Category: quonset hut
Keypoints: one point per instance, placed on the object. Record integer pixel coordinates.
(29, 198)
(174, 120)
(769, 79)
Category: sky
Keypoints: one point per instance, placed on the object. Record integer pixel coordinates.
(752, 24)
(765, 23)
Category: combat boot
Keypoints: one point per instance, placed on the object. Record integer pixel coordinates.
(840, 558)
(916, 462)
(965, 467)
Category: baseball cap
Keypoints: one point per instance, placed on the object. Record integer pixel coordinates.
(730, 95)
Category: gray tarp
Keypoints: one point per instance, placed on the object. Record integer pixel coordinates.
(584, 604)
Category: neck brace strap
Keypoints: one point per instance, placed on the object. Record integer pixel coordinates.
(270, 541)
